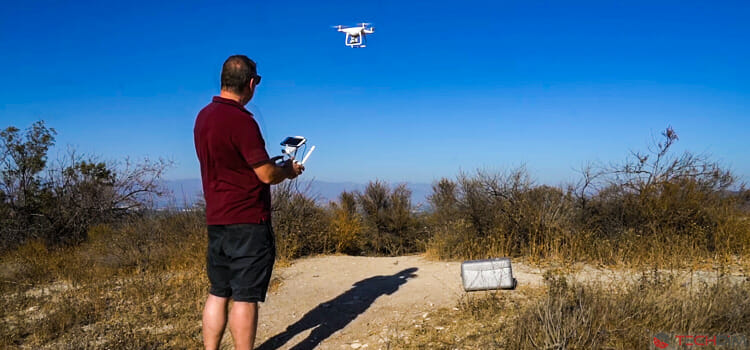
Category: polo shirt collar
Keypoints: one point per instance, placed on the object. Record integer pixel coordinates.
(227, 101)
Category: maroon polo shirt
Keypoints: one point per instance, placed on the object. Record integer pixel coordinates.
(228, 142)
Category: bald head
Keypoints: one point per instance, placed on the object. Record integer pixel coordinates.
(236, 73)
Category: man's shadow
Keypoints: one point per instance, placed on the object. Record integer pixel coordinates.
(335, 314)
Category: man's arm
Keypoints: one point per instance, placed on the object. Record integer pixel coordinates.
(270, 173)
(250, 143)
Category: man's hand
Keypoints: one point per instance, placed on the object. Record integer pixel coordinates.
(293, 169)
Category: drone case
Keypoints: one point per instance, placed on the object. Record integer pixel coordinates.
(487, 274)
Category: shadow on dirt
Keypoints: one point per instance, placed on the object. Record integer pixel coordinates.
(333, 315)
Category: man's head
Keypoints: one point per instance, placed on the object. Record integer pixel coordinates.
(239, 77)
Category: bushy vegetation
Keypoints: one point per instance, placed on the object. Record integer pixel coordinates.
(498, 214)
(378, 221)
(57, 202)
(654, 207)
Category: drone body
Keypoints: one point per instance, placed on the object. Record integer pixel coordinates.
(356, 36)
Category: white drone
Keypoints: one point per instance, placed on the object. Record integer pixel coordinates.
(356, 36)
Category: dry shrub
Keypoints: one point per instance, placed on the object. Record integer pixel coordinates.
(656, 200)
(492, 214)
(390, 226)
(377, 221)
(655, 207)
(152, 241)
(346, 224)
(301, 226)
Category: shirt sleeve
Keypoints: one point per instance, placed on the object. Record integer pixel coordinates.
(249, 142)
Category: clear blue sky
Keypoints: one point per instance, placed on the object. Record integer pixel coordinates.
(443, 86)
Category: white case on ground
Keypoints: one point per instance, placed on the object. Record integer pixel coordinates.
(487, 274)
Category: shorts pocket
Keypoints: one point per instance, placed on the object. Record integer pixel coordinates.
(249, 240)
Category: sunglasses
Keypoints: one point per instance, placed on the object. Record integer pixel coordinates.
(257, 79)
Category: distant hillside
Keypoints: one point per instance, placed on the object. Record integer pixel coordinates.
(186, 192)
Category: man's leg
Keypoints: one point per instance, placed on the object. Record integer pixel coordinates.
(243, 321)
(214, 321)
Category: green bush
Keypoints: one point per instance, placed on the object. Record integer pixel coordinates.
(390, 224)
(58, 203)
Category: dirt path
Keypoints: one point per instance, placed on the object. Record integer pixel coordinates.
(345, 302)
(338, 302)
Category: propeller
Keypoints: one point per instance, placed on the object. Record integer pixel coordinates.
(363, 24)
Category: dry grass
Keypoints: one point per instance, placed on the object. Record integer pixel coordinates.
(140, 286)
(571, 315)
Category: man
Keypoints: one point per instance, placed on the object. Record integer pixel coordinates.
(237, 174)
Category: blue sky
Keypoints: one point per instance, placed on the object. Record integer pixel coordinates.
(443, 86)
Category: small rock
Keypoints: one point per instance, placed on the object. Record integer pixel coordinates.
(356, 345)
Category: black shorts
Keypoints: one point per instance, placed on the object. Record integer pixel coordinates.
(240, 260)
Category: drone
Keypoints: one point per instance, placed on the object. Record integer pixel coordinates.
(356, 36)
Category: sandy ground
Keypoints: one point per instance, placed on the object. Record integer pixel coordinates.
(344, 302)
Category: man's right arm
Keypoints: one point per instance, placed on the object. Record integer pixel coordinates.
(270, 173)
